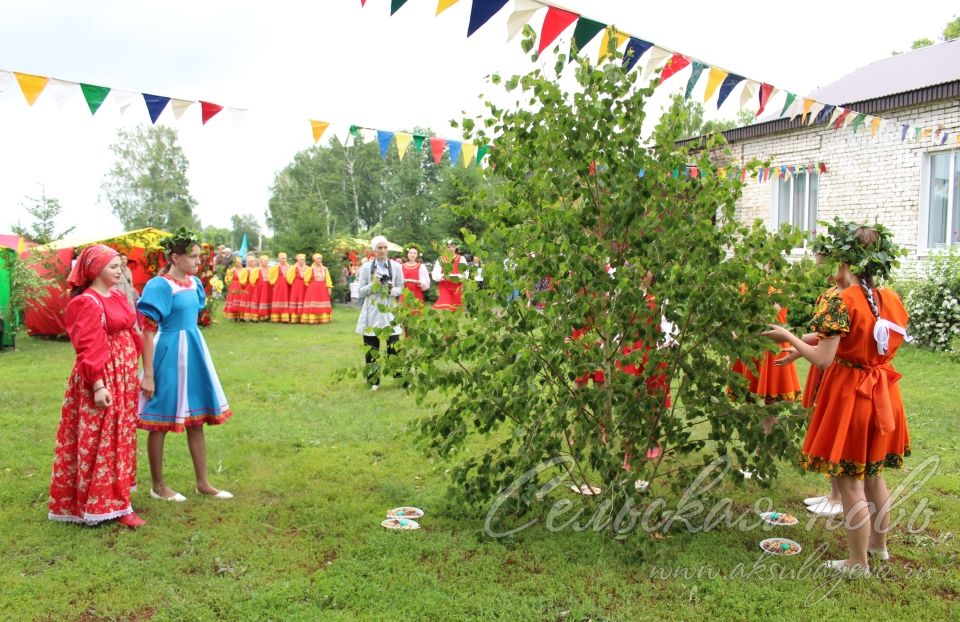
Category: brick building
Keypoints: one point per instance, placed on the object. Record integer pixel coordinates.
(912, 186)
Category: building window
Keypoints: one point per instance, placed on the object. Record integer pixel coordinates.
(943, 200)
(795, 201)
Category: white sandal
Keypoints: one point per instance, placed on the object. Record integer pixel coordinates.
(840, 566)
(223, 494)
(176, 498)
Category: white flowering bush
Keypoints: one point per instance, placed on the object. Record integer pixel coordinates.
(934, 304)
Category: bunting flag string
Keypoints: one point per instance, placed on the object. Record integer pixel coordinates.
(33, 86)
(720, 82)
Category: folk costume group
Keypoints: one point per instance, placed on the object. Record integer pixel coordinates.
(282, 293)
(856, 430)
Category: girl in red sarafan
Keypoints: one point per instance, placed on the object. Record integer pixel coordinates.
(449, 281)
(236, 279)
(316, 300)
(95, 463)
(297, 278)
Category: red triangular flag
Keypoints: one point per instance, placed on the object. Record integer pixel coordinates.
(841, 119)
(436, 146)
(207, 110)
(675, 64)
(553, 24)
(765, 90)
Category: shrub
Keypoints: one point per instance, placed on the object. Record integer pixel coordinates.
(934, 303)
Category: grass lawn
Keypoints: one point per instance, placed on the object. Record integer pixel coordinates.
(315, 463)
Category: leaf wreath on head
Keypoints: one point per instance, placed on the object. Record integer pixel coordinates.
(840, 243)
(181, 238)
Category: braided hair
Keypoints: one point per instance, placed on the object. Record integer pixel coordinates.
(868, 237)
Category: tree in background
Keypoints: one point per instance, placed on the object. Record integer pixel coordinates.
(245, 225)
(147, 185)
(950, 31)
(693, 123)
(215, 236)
(45, 211)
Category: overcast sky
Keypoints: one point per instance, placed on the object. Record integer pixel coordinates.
(331, 60)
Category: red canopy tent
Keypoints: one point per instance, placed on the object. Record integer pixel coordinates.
(45, 316)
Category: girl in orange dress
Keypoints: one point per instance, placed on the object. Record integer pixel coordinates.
(296, 277)
(236, 279)
(770, 382)
(250, 307)
(279, 290)
(858, 425)
(262, 290)
(316, 300)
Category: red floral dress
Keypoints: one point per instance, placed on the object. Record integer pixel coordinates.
(95, 462)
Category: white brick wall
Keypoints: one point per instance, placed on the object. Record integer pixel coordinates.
(868, 179)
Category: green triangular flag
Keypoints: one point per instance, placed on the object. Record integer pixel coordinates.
(355, 131)
(94, 95)
(418, 141)
(786, 104)
(484, 150)
(584, 32)
(698, 68)
(858, 121)
(395, 5)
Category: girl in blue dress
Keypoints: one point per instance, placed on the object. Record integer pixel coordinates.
(180, 387)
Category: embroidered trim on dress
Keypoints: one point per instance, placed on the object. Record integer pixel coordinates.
(852, 468)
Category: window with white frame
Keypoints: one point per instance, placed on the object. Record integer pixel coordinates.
(943, 200)
(795, 201)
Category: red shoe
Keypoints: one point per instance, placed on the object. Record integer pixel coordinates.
(131, 521)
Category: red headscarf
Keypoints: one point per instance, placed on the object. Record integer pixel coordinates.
(91, 261)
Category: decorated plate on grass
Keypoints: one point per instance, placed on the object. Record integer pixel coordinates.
(405, 512)
(779, 546)
(403, 524)
(779, 519)
(585, 489)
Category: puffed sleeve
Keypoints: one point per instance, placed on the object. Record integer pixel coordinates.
(830, 317)
(424, 278)
(201, 295)
(329, 280)
(155, 302)
(437, 271)
(84, 319)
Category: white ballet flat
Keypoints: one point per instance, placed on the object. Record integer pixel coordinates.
(882, 554)
(814, 500)
(223, 494)
(840, 566)
(826, 509)
(176, 498)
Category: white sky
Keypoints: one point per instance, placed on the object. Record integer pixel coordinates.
(331, 60)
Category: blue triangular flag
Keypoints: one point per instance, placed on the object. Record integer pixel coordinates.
(454, 147)
(903, 132)
(824, 115)
(635, 49)
(155, 105)
(384, 137)
(243, 248)
(726, 86)
(481, 12)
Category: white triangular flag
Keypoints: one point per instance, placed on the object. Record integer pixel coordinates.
(62, 90)
(522, 12)
(180, 106)
(237, 115)
(814, 111)
(6, 79)
(836, 115)
(749, 92)
(125, 99)
(657, 56)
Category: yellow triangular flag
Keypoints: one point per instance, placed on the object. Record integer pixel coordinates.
(622, 39)
(927, 132)
(403, 141)
(469, 154)
(807, 105)
(21, 246)
(875, 126)
(31, 85)
(443, 5)
(318, 127)
(714, 78)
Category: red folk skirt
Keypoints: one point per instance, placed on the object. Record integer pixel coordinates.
(95, 463)
(316, 303)
(449, 295)
(280, 301)
(297, 292)
(236, 300)
(261, 297)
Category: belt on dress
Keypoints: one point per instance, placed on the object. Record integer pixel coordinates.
(875, 386)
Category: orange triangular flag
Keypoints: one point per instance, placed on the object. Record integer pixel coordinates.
(31, 85)
(318, 127)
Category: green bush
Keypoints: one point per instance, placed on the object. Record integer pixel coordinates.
(934, 303)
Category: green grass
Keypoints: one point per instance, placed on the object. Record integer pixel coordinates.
(315, 463)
